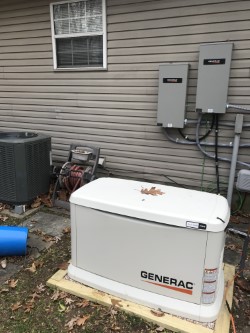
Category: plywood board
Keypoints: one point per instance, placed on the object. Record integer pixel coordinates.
(165, 320)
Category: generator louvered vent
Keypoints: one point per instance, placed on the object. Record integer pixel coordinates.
(25, 166)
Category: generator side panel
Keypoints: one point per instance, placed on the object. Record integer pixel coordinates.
(172, 95)
(213, 77)
(158, 258)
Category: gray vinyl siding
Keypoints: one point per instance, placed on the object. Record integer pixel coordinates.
(116, 109)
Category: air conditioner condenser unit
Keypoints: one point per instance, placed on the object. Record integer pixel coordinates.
(164, 251)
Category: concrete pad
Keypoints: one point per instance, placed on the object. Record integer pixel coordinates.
(6, 273)
(50, 224)
(35, 245)
(20, 216)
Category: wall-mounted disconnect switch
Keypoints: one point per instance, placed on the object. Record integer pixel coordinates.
(172, 95)
(213, 77)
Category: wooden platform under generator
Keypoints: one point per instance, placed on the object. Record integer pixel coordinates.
(176, 324)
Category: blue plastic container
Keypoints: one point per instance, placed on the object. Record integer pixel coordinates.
(13, 241)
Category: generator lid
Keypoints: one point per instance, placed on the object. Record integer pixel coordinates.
(164, 204)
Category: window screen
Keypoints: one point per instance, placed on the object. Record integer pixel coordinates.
(78, 34)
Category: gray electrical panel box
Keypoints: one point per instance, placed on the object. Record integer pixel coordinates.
(213, 77)
(172, 95)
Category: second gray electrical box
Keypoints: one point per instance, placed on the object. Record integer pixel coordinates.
(213, 77)
(172, 95)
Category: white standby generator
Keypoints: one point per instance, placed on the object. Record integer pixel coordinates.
(163, 250)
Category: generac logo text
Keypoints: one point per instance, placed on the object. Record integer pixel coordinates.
(168, 282)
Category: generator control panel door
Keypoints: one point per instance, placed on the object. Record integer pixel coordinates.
(213, 77)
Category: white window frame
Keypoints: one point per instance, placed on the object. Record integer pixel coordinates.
(104, 34)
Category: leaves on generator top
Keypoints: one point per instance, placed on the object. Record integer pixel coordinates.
(152, 191)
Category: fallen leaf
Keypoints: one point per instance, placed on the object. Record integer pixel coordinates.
(34, 296)
(3, 263)
(66, 230)
(115, 328)
(40, 288)
(31, 269)
(4, 290)
(39, 263)
(55, 296)
(61, 307)
(3, 218)
(68, 301)
(16, 306)
(46, 200)
(28, 307)
(113, 312)
(63, 195)
(81, 320)
(71, 323)
(83, 304)
(152, 191)
(57, 239)
(157, 313)
(244, 284)
(63, 266)
(12, 283)
(36, 203)
(116, 302)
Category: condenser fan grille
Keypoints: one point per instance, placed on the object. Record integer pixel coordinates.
(25, 166)
(7, 173)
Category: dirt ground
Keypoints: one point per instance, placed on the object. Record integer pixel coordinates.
(27, 305)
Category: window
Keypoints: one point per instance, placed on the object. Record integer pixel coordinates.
(79, 34)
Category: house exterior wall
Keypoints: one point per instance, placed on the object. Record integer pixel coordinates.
(117, 109)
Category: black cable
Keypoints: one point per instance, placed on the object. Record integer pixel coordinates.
(110, 173)
(201, 138)
(216, 154)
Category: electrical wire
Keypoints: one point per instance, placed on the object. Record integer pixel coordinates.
(240, 204)
(231, 317)
(110, 172)
(224, 159)
(216, 153)
(238, 107)
(201, 138)
(210, 144)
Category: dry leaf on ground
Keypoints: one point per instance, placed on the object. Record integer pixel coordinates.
(28, 307)
(12, 283)
(55, 295)
(63, 266)
(81, 320)
(16, 306)
(3, 218)
(66, 230)
(68, 301)
(40, 288)
(32, 268)
(71, 323)
(36, 203)
(83, 304)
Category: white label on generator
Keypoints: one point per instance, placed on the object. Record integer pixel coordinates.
(210, 275)
(210, 110)
(208, 298)
(209, 287)
(170, 125)
(191, 224)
